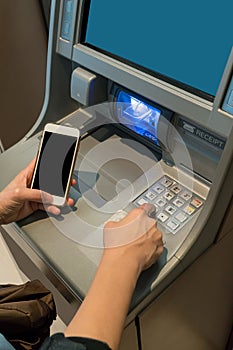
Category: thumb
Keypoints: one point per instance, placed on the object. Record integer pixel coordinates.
(32, 195)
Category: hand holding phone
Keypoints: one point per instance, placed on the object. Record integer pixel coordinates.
(55, 161)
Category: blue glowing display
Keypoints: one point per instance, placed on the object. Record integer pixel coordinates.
(138, 116)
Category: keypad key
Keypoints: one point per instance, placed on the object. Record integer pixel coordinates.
(162, 217)
(176, 189)
(196, 202)
(158, 189)
(168, 195)
(166, 182)
(142, 201)
(173, 224)
(151, 195)
(170, 209)
(189, 210)
(161, 202)
(178, 202)
(186, 195)
(181, 217)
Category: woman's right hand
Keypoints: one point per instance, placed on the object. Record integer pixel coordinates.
(131, 245)
(135, 238)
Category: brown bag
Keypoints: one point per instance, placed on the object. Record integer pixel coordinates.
(26, 314)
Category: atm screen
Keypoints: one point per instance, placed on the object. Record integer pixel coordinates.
(186, 44)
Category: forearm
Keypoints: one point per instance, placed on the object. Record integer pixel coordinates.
(102, 314)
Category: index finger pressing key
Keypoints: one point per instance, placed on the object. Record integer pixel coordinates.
(150, 210)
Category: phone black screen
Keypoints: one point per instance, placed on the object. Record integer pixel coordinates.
(54, 163)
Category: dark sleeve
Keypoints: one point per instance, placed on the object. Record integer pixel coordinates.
(60, 342)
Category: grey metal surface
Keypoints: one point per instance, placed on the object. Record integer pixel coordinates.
(65, 44)
(219, 197)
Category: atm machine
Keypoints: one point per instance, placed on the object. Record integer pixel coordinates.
(151, 91)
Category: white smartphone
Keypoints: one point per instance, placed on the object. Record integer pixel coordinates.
(55, 161)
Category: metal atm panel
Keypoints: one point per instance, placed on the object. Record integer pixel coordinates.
(96, 187)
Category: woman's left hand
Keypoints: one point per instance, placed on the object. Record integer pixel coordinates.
(17, 200)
